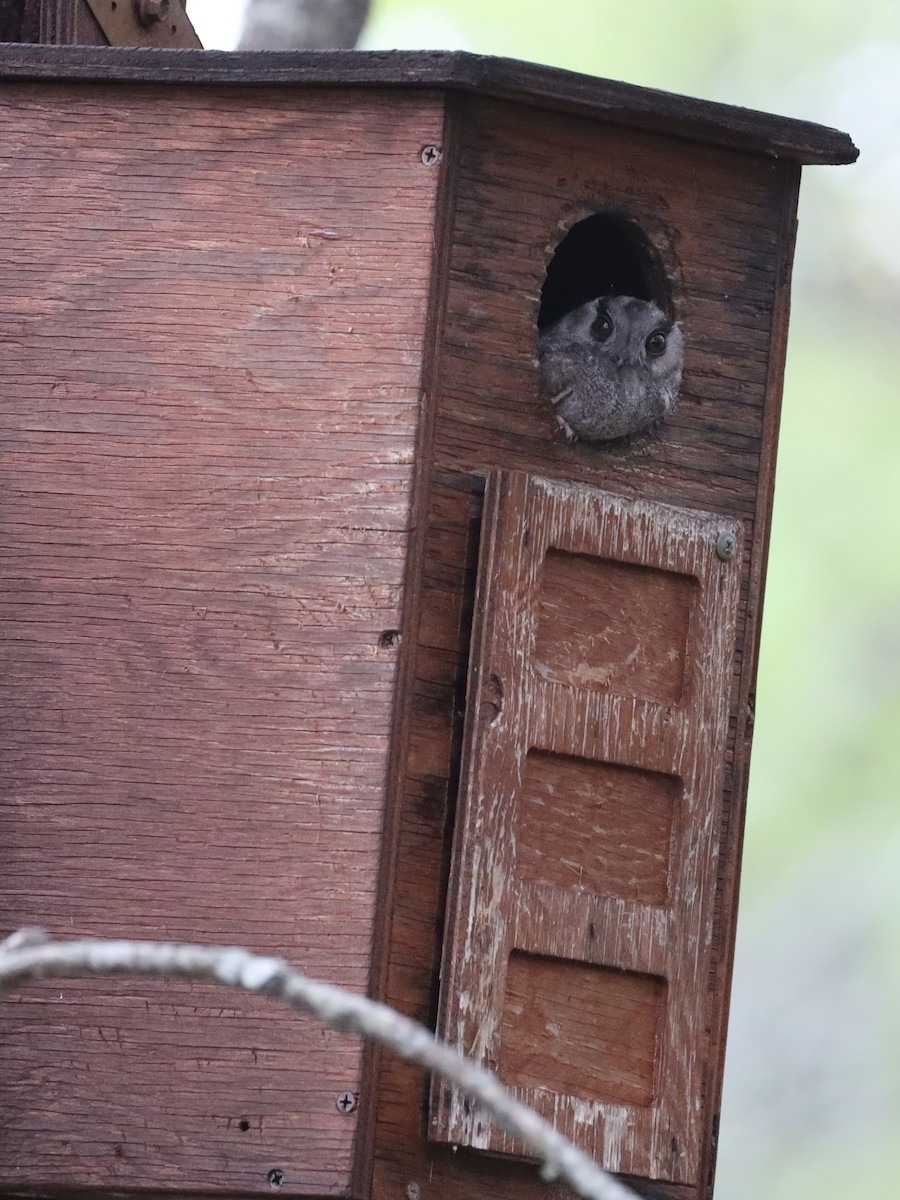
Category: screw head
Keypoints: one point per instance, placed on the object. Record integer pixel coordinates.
(726, 545)
(431, 155)
(275, 1177)
(345, 1103)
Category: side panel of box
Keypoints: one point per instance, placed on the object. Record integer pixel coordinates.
(212, 320)
(722, 224)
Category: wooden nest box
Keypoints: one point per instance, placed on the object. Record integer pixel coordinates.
(321, 639)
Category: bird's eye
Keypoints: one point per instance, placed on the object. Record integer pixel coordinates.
(656, 344)
(602, 327)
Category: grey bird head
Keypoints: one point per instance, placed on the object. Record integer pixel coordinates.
(611, 367)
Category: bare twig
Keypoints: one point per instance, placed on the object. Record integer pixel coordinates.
(30, 954)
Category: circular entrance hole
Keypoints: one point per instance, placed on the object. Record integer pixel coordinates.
(603, 255)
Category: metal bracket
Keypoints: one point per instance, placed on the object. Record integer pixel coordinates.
(161, 23)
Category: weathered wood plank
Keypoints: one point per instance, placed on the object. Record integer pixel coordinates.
(549, 88)
(212, 309)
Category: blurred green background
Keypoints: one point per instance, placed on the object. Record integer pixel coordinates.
(812, 1084)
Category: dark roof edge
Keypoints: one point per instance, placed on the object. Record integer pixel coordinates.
(504, 78)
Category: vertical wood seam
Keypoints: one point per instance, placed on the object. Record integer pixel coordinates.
(444, 212)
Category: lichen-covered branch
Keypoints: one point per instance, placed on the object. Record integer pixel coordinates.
(30, 954)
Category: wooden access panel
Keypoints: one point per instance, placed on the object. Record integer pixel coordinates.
(583, 878)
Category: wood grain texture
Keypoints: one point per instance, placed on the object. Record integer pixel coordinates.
(722, 224)
(597, 626)
(60, 23)
(212, 320)
(495, 911)
(548, 88)
(600, 1043)
(624, 818)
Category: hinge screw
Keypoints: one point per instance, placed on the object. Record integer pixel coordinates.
(726, 544)
(151, 11)
(345, 1103)
(431, 156)
(275, 1178)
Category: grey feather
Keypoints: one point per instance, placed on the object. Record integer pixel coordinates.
(611, 368)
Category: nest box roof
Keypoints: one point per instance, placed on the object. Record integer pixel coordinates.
(526, 83)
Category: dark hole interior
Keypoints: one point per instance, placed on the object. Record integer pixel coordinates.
(603, 255)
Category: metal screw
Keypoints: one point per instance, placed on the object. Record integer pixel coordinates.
(726, 544)
(275, 1178)
(431, 156)
(345, 1103)
(151, 11)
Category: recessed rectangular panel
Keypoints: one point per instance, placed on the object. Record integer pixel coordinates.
(613, 626)
(596, 827)
(580, 1030)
